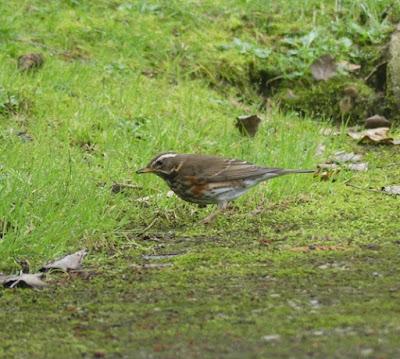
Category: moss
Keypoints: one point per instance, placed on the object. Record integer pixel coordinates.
(339, 99)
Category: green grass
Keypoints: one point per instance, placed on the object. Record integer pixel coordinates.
(123, 81)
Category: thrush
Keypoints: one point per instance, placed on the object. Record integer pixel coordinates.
(207, 180)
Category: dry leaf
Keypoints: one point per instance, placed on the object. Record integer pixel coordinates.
(347, 66)
(342, 156)
(394, 190)
(248, 125)
(326, 171)
(377, 121)
(375, 136)
(30, 62)
(325, 175)
(23, 280)
(324, 68)
(69, 262)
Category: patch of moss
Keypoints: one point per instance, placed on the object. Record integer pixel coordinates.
(338, 99)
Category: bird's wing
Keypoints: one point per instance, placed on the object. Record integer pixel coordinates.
(216, 169)
(237, 170)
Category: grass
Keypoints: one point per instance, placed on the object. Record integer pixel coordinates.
(123, 81)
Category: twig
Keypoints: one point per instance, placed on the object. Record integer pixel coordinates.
(279, 77)
(364, 189)
(152, 223)
(375, 69)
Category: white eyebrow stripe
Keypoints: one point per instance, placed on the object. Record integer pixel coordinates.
(167, 155)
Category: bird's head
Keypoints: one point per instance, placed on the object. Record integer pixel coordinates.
(163, 164)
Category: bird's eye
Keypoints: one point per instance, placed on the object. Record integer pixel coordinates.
(158, 163)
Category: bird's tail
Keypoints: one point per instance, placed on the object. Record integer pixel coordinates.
(286, 172)
(277, 172)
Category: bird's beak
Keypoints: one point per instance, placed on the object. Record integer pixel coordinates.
(145, 170)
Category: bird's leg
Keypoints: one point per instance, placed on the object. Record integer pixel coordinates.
(211, 217)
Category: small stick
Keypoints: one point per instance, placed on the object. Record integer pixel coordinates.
(375, 69)
(152, 223)
(364, 189)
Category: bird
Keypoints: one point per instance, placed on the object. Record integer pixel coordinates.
(205, 179)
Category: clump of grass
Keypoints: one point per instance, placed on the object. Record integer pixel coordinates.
(12, 104)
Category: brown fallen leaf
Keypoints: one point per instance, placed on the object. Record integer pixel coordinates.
(326, 175)
(23, 280)
(393, 190)
(375, 136)
(69, 262)
(30, 62)
(347, 66)
(377, 121)
(327, 171)
(248, 125)
(324, 68)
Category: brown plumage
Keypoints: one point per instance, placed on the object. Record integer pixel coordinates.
(206, 180)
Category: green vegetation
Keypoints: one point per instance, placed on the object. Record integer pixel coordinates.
(315, 262)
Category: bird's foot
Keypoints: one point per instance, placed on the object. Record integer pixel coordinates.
(222, 207)
(210, 218)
